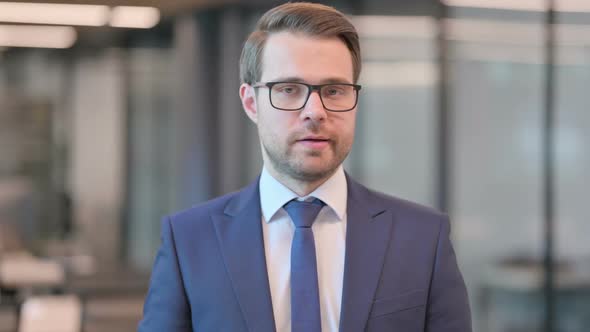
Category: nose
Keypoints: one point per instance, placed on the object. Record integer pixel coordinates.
(314, 109)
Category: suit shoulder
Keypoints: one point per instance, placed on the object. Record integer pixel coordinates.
(201, 211)
(408, 209)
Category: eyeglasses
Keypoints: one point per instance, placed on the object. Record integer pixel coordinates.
(292, 96)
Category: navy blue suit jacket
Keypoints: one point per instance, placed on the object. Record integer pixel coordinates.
(400, 270)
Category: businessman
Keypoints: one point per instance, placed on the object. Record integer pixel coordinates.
(305, 247)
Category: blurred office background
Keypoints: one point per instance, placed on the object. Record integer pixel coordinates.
(115, 113)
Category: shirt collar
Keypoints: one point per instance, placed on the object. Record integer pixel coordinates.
(273, 194)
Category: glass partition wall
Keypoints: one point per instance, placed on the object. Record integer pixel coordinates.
(494, 105)
(572, 162)
(497, 74)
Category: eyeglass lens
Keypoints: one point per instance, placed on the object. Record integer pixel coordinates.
(293, 96)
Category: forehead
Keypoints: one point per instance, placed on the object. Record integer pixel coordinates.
(308, 58)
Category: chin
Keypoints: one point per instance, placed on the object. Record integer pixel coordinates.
(313, 172)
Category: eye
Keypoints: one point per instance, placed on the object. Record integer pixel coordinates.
(288, 89)
(334, 90)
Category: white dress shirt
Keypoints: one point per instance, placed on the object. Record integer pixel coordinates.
(329, 231)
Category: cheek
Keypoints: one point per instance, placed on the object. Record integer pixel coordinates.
(351, 129)
(347, 128)
(273, 127)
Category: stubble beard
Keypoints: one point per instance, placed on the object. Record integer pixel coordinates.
(290, 163)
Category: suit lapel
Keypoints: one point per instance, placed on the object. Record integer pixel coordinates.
(368, 234)
(239, 232)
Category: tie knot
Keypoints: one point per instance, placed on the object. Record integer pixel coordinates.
(303, 213)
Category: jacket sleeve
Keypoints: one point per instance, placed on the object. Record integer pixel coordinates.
(166, 306)
(448, 304)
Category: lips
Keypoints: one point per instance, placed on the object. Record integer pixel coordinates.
(314, 138)
(314, 142)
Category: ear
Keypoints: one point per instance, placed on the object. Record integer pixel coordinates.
(248, 97)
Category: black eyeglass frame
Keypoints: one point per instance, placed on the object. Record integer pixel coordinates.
(310, 89)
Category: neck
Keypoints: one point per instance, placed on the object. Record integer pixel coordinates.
(300, 187)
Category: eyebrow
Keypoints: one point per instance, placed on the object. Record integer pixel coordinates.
(295, 79)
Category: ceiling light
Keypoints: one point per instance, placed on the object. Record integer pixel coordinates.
(37, 36)
(53, 13)
(406, 74)
(524, 5)
(134, 17)
(527, 5)
(394, 26)
(573, 6)
(525, 34)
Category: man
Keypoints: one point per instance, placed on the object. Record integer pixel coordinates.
(305, 247)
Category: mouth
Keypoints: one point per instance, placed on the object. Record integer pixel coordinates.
(314, 142)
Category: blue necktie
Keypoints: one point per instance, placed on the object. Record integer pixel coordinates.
(305, 298)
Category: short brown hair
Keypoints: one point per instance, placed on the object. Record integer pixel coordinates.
(312, 19)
